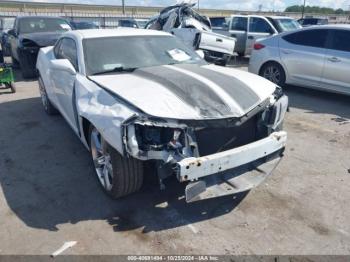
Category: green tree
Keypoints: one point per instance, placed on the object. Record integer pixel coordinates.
(315, 10)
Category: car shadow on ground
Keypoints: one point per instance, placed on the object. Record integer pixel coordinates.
(319, 102)
(47, 179)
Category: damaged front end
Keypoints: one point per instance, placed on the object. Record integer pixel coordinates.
(216, 157)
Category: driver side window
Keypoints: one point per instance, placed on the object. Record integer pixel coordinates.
(259, 25)
(67, 49)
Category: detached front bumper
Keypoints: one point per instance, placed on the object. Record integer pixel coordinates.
(237, 170)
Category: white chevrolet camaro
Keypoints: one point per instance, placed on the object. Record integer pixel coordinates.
(140, 96)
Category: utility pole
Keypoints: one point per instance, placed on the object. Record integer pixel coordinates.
(123, 4)
(198, 5)
(302, 14)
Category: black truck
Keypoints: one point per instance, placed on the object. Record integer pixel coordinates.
(30, 33)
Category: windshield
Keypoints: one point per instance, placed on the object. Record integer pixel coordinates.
(284, 25)
(7, 23)
(37, 24)
(218, 21)
(107, 54)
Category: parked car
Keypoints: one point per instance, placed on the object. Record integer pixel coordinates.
(195, 31)
(217, 129)
(83, 25)
(30, 33)
(312, 21)
(315, 57)
(141, 23)
(249, 28)
(128, 23)
(6, 23)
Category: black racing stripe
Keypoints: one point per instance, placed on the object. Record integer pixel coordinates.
(239, 91)
(189, 90)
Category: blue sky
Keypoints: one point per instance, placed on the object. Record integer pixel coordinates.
(220, 4)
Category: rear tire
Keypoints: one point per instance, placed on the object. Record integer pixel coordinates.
(274, 72)
(12, 87)
(48, 106)
(119, 176)
(223, 62)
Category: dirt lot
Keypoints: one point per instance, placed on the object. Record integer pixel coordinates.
(49, 194)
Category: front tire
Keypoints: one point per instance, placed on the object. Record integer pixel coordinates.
(27, 71)
(119, 176)
(15, 63)
(274, 72)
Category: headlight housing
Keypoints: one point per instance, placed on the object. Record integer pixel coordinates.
(29, 43)
(153, 138)
(274, 116)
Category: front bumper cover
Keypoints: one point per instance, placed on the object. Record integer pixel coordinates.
(237, 170)
(194, 168)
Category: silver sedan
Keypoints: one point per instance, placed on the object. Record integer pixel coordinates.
(315, 57)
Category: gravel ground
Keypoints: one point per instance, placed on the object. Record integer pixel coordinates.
(49, 194)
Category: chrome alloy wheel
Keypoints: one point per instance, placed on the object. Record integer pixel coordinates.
(102, 160)
(272, 73)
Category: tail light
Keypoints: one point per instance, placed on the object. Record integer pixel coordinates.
(258, 46)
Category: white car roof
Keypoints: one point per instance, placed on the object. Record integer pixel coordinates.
(279, 17)
(337, 26)
(100, 33)
(264, 16)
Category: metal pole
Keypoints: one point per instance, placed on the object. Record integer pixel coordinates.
(123, 4)
(302, 14)
(198, 5)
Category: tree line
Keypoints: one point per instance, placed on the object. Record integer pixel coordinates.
(316, 10)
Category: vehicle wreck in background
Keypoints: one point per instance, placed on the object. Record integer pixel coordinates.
(195, 31)
(216, 128)
(29, 34)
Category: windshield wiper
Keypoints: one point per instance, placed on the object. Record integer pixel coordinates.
(116, 69)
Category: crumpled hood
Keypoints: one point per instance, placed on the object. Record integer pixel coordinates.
(42, 39)
(189, 91)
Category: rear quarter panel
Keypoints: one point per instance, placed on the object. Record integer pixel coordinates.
(270, 53)
(218, 43)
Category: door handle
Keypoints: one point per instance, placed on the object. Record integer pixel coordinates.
(219, 40)
(250, 37)
(334, 59)
(286, 52)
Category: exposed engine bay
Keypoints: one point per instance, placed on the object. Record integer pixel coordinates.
(172, 143)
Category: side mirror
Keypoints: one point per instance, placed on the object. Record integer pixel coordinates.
(200, 53)
(63, 65)
(12, 32)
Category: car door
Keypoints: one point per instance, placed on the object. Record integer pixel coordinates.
(336, 73)
(64, 81)
(13, 40)
(258, 28)
(303, 55)
(238, 29)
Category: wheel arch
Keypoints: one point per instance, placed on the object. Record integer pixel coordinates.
(85, 126)
(273, 61)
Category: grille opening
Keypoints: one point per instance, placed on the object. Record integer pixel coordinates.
(214, 140)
